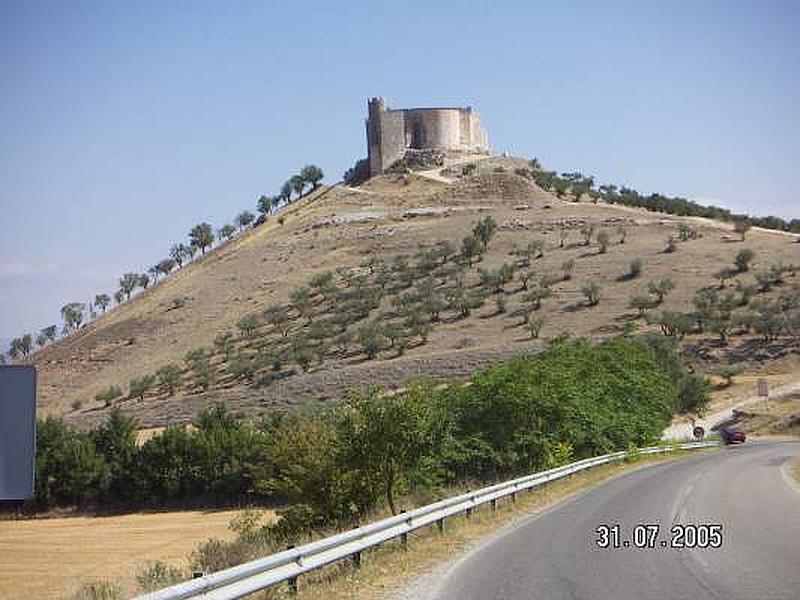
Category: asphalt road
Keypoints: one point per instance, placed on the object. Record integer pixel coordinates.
(554, 555)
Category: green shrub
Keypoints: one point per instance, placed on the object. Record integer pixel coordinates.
(743, 260)
(108, 396)
(372, 340)
(587, 231)
(535, 326)
(603, 240)
(202, 370)
(223, 342)
(535, 296)
(635, 269)
(156, 575)
(215, 555)
(500, 301)
(660, 288)
(169, 378)
(243, 367)
(568, 268)
(99, 590)
(641, 303)
(592, 293)
(727, 373)
(741, 227)
(247, 325)
(139, 386)
(686, 233)
(724, 275)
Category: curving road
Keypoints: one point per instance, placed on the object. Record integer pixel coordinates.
(746, 489)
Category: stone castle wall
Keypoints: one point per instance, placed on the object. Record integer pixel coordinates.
(391, 132)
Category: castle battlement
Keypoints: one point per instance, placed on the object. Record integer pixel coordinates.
(390, 132)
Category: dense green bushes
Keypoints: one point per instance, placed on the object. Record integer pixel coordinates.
(333, 466)
(519, 416)
(217, 461)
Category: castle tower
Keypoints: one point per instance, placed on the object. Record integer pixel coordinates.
(376, 107)
(391, 132)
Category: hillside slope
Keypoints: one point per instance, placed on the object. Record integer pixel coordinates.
(342, 228)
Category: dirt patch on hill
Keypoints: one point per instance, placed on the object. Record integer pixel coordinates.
(505, 186)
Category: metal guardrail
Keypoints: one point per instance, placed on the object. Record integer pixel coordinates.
(286, 566)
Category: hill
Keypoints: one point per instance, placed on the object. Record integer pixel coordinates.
(388, 285)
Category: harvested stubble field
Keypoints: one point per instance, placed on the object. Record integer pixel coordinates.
(52, 557)
(337, 228)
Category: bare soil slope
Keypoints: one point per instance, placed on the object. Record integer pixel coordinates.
(341, 227)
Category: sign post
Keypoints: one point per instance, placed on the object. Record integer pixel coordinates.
(763, 390)
(17, 431)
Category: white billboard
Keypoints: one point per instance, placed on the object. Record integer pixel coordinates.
(17, 431)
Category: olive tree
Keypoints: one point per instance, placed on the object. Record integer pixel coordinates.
(169, 378)
(313, 175)
(127, 283)
(227, 232)
(201, 236)
(298, 184)
(243, 219)
(592, 293)
(743, 260)
(741, 227)
(484, 230)
(660, 288)
(179, 253)
(165, 266)
(603, 240)
(139, 386)
(73, 314)
(103, 301)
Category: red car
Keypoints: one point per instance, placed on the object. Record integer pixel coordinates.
(731, 435)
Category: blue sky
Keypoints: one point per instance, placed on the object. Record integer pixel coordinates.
(123, 124)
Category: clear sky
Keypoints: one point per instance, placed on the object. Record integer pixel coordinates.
(122, 124)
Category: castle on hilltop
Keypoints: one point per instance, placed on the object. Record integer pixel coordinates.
(391, 132)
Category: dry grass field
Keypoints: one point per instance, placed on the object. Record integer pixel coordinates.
(390, 215)
(51, 557)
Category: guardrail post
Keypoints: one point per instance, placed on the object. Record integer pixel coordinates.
(494, 504)
(514, 496)
(357, 560)
(440, 525)
(404, 535)
(292, 581)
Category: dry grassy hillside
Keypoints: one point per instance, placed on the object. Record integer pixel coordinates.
(358, 229)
